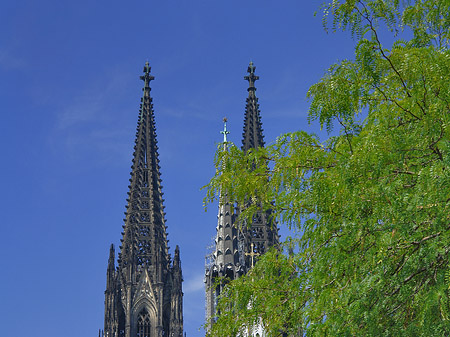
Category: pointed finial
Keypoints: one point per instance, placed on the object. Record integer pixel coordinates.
(176, 258)
(251, 77)
(225, 132)
(251, 67)
(147, 77)
(111, 251)
(112, 256)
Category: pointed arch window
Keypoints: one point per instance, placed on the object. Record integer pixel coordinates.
(143, 324)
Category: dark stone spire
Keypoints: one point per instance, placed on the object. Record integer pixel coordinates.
(262, 233)
(147, 284)
(145, 237)
(252, 135)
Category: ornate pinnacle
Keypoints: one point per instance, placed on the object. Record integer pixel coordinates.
(225, 132)
(111, 254)
(251, 77)
(147, 77)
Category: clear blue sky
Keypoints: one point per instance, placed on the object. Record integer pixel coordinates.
(69, 100)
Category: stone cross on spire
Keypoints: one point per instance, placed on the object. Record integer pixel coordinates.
(251, 77)
(225, 132)
(147, 77)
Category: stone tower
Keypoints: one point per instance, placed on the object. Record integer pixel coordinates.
(237, 246)
(143, 294)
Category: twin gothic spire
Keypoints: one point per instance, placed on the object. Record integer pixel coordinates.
(238, 245)
(144, 295)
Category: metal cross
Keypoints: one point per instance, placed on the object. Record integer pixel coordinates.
(224, 132)
(252, 254)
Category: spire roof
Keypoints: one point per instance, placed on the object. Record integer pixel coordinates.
(253, 132)
(226, 241)
(144, 238)
(146, 280)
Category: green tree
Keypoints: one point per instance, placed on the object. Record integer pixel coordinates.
(371, 203)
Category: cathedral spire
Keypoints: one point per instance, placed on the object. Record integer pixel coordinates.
(144, 239)
(256, 237)
(253, 133)
(146, 298)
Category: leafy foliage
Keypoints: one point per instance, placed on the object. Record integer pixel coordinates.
(270, 292)
(372, 202)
